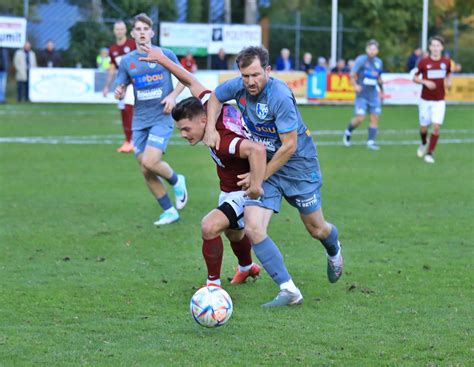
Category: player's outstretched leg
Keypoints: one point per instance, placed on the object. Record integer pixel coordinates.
(212, 251)
(334, 255)
(242, 250)
(328, 235)
(421, 151)
(180, 192)
(432, 145)
(272, 260)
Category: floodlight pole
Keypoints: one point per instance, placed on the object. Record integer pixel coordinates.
(424, 32)
(333, 34)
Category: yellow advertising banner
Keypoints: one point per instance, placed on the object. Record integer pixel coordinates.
(461, 90)
(296, 80)
(339, 88)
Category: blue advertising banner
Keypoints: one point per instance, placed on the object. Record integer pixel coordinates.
(317, 84)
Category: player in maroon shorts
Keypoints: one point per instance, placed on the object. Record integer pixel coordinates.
(235, 157)
(436, 75)
(122, 46)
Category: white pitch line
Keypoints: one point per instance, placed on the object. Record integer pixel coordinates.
(117, 139)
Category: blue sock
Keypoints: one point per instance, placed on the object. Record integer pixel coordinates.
(350, 128)
(173, 179)
(165, 202)
(330, 243)
(272, 260)
(372, 133)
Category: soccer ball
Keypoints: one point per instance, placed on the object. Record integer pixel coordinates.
(211, 306)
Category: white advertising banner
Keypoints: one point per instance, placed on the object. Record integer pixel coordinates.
(400, 89)
(202, 39)
(68, 85)
(12, 32)
(182, 38)
(233, 38)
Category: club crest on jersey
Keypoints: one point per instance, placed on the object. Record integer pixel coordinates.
(442, 66)
(126, 49)
(262, 110)
(151, 65)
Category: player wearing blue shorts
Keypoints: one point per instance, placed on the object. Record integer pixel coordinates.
(366, 74)
(271, 116)
(152, 124)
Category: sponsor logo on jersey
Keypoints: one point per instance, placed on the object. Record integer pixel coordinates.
(436, 74)
(262, 110)
(267, 130)
(147, 94)
(148, 80)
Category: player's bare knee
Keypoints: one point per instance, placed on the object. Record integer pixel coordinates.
(255, 233)
(209, 229)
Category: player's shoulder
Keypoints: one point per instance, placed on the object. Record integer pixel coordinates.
(361, 58)
(167, 51)
(277, 89)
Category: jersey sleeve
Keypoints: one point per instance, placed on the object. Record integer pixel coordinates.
(228, 90)
(122, 74)
(284, 109)
(419, 68)
(171, 55)
(230, 144)
(359, 61)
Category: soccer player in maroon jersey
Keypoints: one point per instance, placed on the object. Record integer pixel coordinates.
(122, 46)
(236, 156)
(435, 72)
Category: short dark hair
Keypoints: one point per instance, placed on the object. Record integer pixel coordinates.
(372, 42)
(248, 55)
(142, 17)
(436, 38)
(187, 109)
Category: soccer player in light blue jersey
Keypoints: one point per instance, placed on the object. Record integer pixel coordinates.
(366, 75)
(271, 116)
(152, 124)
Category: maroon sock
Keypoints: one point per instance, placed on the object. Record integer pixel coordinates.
(433, 141)
(127, 116)
(212, 251)
(423, 136)
(242, 249)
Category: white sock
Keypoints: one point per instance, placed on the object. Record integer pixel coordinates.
(215, 281)
(289, 286)
(335, 257)
(243, 269)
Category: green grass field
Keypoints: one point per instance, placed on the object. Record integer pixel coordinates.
(86, 279)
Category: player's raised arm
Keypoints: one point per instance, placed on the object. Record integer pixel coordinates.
(214, 108)
(185, 77)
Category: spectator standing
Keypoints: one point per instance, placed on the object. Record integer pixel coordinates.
(414, 58)
(307, 64)
(219, 61)
(322, 64)
(103, 59)
(340, 67)
(284, 62)
(189, 63)
(23, 60)
(3, 72)
(49, 57)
